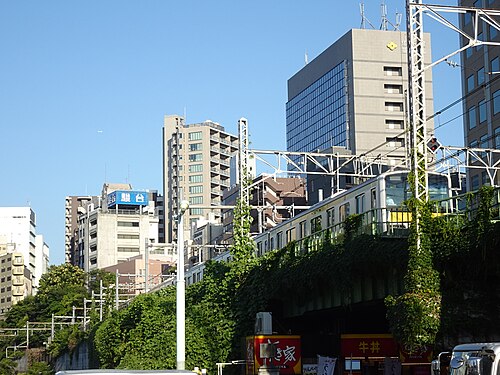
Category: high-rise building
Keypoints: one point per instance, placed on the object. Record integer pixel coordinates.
(18, 227)
(196, 168)
(353, 95)
(480, 87)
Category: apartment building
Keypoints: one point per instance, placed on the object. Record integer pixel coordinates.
(196, 168)
(18, 227)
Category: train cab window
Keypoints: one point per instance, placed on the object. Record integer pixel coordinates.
(360, 204)
(290, 235)
(438, 187)
(344, 211)
(330, 217)
(397, 190)
(279, 240)
(316, 224)
(302, 229)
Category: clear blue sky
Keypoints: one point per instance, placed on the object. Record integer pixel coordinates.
(84, 85)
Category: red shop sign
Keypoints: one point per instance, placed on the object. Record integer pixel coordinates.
(368, 345)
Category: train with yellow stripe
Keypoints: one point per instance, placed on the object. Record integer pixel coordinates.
(380, 200)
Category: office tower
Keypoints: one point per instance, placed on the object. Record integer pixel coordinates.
(196, 168)
(18, 227)
(480, 87)
(353, 95)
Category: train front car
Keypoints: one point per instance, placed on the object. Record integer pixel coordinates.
(394, 193)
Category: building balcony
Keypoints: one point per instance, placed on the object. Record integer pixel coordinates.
(18, 291)
(18, 280)
(18, 270)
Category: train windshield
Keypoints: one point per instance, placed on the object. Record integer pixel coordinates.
(438, 187)
(398, 189)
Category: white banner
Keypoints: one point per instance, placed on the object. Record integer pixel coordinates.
(326, 365)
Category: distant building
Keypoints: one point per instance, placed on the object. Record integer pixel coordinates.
(74, 207)
(278, 199)
(480, 88)
(353, 96)
(196, 168)
(18, 227)
(121, 228)
(132, 273)
(15, 278)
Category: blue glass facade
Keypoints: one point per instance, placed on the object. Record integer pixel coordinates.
(316, 118)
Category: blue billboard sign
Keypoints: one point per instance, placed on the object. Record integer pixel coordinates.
(128, 197)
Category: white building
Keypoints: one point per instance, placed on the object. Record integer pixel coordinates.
(120, 229)
(18, 227)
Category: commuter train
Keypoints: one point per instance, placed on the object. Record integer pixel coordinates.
(381, 200)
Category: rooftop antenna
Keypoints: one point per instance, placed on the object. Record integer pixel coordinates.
(383, 11)
(364, 20)
(306, 58)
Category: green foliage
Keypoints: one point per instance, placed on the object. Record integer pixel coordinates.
(7, 366)
(414, 317)
(40, 368)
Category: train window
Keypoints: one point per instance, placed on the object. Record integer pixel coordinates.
(330, 217)
(279, 240)
(373, 201)
(316, 224)
(290, 235)
(344, 211)
(397, 190)
(438, 187)
(360, 204)
(302, 229)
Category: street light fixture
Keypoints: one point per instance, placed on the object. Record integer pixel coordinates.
(181, 289)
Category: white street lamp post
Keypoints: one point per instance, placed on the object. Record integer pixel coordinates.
(181, 288)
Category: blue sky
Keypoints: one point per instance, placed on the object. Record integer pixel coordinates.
(84, 85)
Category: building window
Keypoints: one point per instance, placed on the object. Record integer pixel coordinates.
(394, 106)
(484, 141)
(316, 224)
(196, 211)
(195, 200)
(480, 76)
(495, 65)
(279, 240)
(195, 147)
(393, 71)
(497, 138)
(475, 182)
(493, 32)
(128, 224)
(394, 124)
(482, 111)
(196, 178)
(470, 83)
(194, 136)
(472, 117)
(477, 4)
(197, 189)
(467, 18)
(393, 89)
(196, 168)
(126, 236)
(195, 157)
(128, 249)
(394, 142)
(496, 102)
(480, 38)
